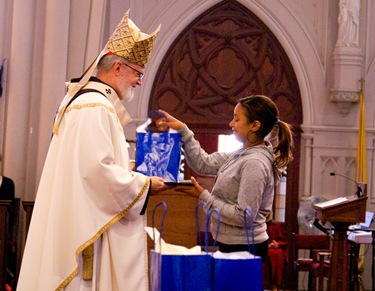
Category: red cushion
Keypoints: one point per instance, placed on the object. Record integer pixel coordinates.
(301, 262)
(315, 269)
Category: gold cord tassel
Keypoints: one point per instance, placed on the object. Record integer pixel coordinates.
(88, 261)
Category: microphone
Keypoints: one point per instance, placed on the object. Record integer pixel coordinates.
(359, 189)
(319, 226)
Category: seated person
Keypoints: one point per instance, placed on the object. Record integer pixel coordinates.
(6, 188)
(273, 267)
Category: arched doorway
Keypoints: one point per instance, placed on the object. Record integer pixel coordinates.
(224, 54)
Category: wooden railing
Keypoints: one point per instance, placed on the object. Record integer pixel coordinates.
(5, 212)
(28, 206)
(9, 238)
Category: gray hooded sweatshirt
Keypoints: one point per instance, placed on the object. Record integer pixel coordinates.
(243, 178)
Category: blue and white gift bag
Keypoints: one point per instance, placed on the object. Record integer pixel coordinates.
(158, 153)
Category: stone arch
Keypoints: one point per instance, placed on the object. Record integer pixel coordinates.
(226, 53)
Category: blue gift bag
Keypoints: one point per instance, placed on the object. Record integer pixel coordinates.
(239, 274)
(179, 272)
(242, 273)
(158, 154)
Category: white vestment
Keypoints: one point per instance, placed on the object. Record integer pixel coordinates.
(88, 195)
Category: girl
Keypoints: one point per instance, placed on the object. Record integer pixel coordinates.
(244, 178)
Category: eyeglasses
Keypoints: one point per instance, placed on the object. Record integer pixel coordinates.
(140, 75)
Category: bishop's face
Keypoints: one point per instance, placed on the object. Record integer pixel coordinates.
(131, 76)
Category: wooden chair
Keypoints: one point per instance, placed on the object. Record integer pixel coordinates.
(5, 210)
(320, 267)
(28, 206)
(315, 264)
(9, 217)
(13, 252)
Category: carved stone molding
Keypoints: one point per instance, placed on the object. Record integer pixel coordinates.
(344, 100)
(347, 73)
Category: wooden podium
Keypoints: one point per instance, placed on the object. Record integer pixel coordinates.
(341, 213)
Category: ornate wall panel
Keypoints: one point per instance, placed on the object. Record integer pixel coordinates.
(224, 54)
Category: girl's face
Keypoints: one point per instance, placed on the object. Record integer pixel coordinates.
(240, 125)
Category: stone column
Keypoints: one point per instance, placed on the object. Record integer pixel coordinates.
(347, 57)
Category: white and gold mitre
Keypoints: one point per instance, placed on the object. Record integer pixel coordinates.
(129, 42)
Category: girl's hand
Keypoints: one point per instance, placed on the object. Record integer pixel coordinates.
(171, 121)
(193, 191)
(198, 189)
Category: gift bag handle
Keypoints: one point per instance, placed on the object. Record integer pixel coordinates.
(161, 222)
(208, 218)
(197, 221)
(207, 223)
(248, 209)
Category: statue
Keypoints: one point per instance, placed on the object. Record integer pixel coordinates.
(348, 33)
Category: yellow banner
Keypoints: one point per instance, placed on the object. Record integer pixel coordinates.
(361, 151)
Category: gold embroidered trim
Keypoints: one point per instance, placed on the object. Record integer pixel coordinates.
(67, 280)
(88, 262)
(100, 232)
(109, 108)
(89, 105)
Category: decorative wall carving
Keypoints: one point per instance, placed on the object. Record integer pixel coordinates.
(224, 54)
(344, 100)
